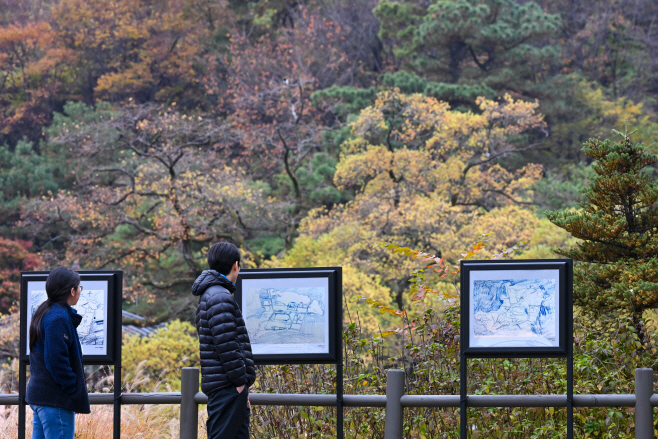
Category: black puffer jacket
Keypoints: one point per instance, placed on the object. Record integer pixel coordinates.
(226, 358)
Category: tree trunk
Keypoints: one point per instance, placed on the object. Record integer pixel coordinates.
(639, 325)
(457, 52)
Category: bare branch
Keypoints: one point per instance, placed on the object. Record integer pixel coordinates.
(496, 191)
(493, 157)
(295, 183)
(166, 286)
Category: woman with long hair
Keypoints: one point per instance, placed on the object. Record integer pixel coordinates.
(57, 388)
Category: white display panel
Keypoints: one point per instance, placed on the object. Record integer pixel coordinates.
(92, 306)
(514, 308)
(287, 315)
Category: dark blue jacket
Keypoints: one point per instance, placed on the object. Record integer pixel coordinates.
(57, 378)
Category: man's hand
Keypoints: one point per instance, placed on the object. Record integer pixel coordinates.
(240, 389)
(248, 403)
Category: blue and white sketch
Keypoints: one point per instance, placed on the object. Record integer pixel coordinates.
(37, 298)
(91, 306)
(286, 315)
(517, 308)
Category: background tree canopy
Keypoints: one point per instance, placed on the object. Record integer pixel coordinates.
(133, 134)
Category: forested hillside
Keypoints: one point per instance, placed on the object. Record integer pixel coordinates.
(390, 137)
(135, 133)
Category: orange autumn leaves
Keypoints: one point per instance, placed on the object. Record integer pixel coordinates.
(31, 75)
(135, 47)
(14, 258)
(87, 50)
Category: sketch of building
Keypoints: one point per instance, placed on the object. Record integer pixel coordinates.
(266, 300)
(515, 308)
(91, 306)
(292, 315)
(37, 298)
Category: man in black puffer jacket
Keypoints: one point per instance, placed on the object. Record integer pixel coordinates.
(227, 364)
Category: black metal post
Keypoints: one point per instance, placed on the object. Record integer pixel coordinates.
(569, 335)
(339, 400)
(570, 397)
(339, 353)
(117, 354)
(463, 390)
(117, 399)
(22, 384)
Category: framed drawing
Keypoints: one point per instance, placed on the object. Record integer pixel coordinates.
(517, 308)
(99, 305)
(99, 331)
(292, 315)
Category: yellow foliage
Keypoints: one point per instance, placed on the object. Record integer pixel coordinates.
(159, 358)
(606, 113)
(545, 238)
(410, 146)
(425, 177)
(509, 225)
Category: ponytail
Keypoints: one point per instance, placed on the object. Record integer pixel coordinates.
(58, 287)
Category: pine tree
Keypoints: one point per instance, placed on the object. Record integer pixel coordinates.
(469, 46)
(619, 227)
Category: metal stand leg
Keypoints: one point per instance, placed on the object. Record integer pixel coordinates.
(570, 397)
(463, 390)
(339, 400)
(117, 352)
(22, 384)
(117, 402)
(569, 335)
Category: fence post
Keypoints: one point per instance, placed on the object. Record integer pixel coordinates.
(189, 410)
(394, 391)
(643, 409)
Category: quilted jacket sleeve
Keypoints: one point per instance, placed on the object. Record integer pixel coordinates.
(222, 321)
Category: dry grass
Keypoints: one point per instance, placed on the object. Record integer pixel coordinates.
(137, 421)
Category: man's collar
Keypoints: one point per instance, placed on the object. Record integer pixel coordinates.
(224, 276)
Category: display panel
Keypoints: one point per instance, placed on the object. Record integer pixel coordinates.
(100, 297)
(516, 308)
(292, 315)
(92, 306)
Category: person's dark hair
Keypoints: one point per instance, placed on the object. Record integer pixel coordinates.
(58, 287)
(222, 256)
